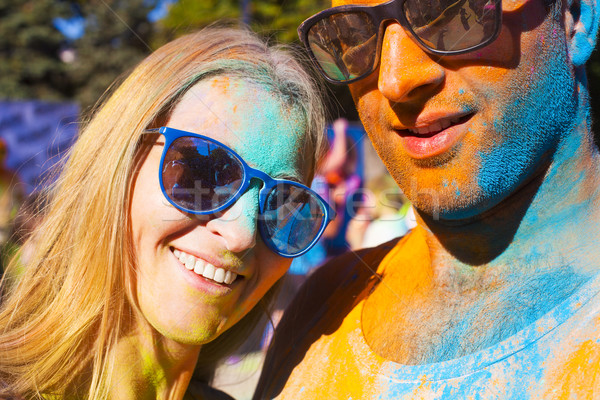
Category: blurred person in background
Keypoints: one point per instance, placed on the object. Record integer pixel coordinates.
(384, 214)
(337, 180)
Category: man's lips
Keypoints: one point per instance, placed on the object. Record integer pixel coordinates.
(435, 138)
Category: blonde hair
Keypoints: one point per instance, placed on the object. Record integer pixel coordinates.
(62, 316)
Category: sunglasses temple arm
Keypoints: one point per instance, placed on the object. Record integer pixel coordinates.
(331, 212)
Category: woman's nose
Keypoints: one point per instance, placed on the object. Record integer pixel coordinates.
(406, 72)
(238, 224)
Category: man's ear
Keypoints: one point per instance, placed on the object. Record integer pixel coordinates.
(581, 25)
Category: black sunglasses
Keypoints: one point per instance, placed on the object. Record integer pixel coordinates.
(200, 175)
(345, 41)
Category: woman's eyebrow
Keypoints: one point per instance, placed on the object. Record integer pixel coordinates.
(288, 177)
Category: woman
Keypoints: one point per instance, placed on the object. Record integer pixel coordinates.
(158, 239)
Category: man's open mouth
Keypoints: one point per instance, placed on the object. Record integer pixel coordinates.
(436, 127)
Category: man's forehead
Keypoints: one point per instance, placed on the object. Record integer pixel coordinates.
(335, 3)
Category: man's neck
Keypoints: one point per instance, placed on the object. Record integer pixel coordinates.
(552, 222)
(489, 277)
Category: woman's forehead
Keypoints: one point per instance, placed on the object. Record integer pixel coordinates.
(249, 117)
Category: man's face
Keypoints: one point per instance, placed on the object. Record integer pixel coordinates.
(461, 133)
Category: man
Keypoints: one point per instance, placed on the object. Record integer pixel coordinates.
(487, 131)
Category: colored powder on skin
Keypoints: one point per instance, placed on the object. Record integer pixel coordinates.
(461, 91)
(276, 152)
(531, 124)
(457, 190)
(264, 131)
(584, 41)
(579, 374)
(274, 148)
(248, 204)
(523, 366)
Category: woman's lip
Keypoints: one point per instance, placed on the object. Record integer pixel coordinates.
(421, 146)
(203, 284)
(218, 263)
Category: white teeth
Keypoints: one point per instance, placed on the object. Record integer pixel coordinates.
(199, 266)
(219, 275)
(205, 269)
(436, 126)
(209, 271)
(229, 277)
(190, 261)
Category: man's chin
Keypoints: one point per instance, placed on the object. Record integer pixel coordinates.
(451, 209)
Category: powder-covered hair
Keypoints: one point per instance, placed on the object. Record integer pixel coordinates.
(60, 319)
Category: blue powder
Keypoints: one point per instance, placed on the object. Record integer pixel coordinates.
(530, 126)
(584, 41)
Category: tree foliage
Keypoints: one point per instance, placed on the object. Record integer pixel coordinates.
(115, 39)
(273, 18)
(30, 66)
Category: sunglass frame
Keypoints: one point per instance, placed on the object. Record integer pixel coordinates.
(383, 14)
(172, 134)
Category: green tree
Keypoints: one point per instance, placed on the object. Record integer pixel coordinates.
(30, 66)
(116, 38)
(273, 18)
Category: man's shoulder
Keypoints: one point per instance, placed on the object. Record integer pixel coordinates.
(319, 308)
(337, 282)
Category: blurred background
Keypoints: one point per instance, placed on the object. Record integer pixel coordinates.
(57, 58)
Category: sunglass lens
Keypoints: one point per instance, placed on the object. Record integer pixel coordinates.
(199, 175)
(344, 45)
(292, 218)
(452, 25)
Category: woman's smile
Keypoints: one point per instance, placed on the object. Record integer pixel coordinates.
(201, 267)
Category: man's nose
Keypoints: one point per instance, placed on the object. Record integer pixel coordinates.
(238, 224)
(406, 72)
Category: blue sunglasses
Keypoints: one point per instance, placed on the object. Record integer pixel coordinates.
(199, 175)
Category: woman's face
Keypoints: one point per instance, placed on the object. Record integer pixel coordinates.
(179, 303)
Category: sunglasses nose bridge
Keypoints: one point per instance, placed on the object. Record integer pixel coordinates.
(237, 224)
(264, 179)
(385, 15)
